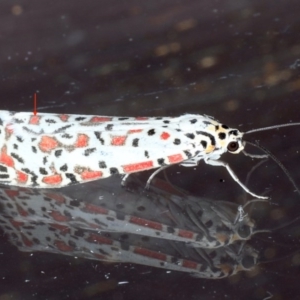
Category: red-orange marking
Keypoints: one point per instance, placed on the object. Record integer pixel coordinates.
(64, 118)
(47, 143)
(22, 177)
(145, 223)
(58, 198)
(34, 120)
(98, 239)
(149, 253)
(26, 241)
(82, 141)
(91, 208)
(135, 130)
(186, 234)
(189, 264)
(118, 140)
(141, 118)
(87, 175)
(22, 212)
(6, 159)
(62, 246)
(164, 136)
(97, 119)
(99, 256)
(12, 193)
(173, 159)
(57, 216)
(52, 179)
(16, 224)
(62, 228)
(138, 167)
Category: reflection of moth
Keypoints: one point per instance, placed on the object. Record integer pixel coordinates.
(104, 221)
(52, 150)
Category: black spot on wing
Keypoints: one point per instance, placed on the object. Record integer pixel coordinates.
(17, 157)
(50, 121)
(113, 171)
(190, 135)
(99, 138)
(64, 168)
(88, 151)
(102, 164)
(135, 142)
(19, 139)
(109, 127)
(43, 171)
(210, 136)
(80, 118)
(193, 121)
(123, 119)
(225, 126)
(187, 153)
(177, 142)
(161, 161)
(146, 153)
(72, 178)
(45, 160)
(151, 132)
(3, 169)
(57, 153)
(204, 144)
(15, 146)
(4, 176)
(62, 129)
(166, 121)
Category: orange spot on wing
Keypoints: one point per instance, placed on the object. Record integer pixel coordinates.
(91, 208)
(164, 136)
(186, 234)
(82, 141)
(97, 119)
(26, 241)
(135, 130)
(145, 223)
(88, 175)
(52, 179)
(138, 167)
(118, 140)
(57, 216)
(94, 238)
(12, 193)
(34, 120)
(6, 159)
(48, 143)
(141, 118)
(57, 197)
(173, 159)
(150, 253)
(64, 118)
(62, 246)
(189, 264)
(22, 177)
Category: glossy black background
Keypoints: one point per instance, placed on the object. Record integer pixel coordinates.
(235, 60)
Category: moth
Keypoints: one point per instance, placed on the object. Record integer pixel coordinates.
(56, 150)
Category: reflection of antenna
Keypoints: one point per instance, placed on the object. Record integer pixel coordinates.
(34, 104)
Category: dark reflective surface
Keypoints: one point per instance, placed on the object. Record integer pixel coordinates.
(236, 61)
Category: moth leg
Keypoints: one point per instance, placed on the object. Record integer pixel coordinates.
(153, 175)
(125, 177)
(232, 174)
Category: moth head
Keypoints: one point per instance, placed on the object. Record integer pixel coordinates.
(234, 143)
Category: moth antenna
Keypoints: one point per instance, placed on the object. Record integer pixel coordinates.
(272, 127)
(283, 168)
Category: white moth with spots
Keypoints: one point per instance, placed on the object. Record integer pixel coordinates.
(55, 150)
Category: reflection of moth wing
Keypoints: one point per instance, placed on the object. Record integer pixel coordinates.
(107, 206)
(115, 247)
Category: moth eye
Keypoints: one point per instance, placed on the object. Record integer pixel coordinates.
(233, 146)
